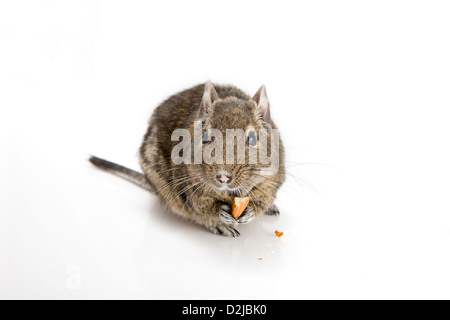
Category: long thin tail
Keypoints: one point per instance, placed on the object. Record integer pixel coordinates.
(128, 174)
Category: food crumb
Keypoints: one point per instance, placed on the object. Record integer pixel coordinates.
(278, 233)
(259, 258)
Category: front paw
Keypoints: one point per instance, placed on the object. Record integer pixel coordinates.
(225, 215)
(247, 216)
(226, 230)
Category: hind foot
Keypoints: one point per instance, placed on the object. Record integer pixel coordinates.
(273, 210)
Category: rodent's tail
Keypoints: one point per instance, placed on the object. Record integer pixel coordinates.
(128, 174)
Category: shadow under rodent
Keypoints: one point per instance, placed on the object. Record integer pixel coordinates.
(204, 192)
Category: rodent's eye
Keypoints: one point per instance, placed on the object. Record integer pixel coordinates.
(252, 139)
(205, 138)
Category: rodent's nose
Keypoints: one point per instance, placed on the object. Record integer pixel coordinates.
(224, 178)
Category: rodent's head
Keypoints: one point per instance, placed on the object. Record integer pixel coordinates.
(233, 131)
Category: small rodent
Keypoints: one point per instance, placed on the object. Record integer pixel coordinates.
(204, 192)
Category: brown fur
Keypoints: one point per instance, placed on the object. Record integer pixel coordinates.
(187, 188)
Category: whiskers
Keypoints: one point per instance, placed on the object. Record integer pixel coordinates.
(180, 184)
(256, 184)
(296, 164)
(249, 182)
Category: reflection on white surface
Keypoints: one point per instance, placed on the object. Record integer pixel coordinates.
(100, 247)
(83, 233)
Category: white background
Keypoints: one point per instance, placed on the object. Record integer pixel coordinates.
(359, 89)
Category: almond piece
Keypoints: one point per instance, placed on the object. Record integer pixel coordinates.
(238, 206)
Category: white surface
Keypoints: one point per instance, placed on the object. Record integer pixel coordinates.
(360, 88)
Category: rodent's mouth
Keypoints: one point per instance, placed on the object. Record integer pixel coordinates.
(225, 188)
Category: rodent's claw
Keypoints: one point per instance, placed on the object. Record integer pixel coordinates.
(247, 216)
(226, 230)
(225, 215)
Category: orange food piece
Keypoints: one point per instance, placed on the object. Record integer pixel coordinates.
(279, 233)
(238, 206)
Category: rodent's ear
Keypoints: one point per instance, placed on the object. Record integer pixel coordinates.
(209, 96)
(263, 105)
